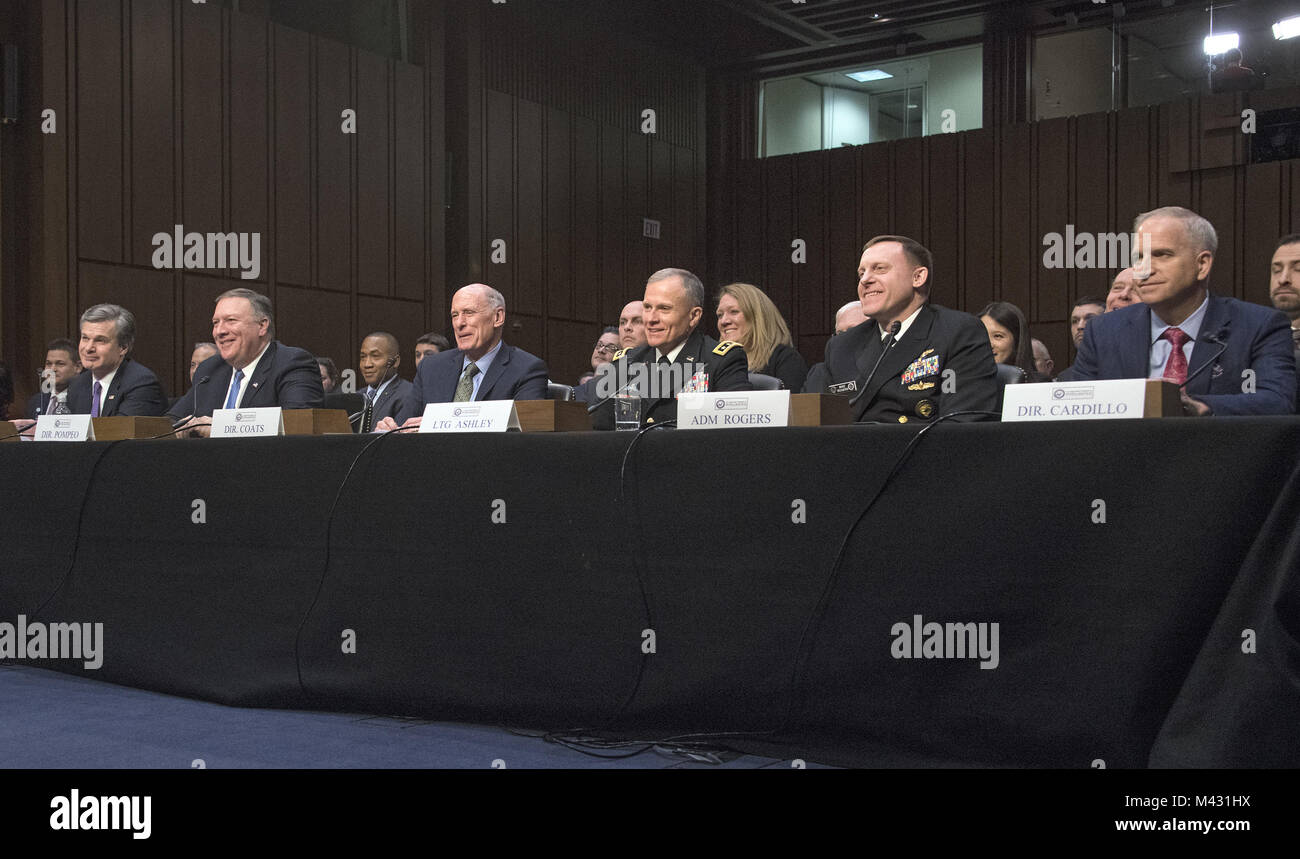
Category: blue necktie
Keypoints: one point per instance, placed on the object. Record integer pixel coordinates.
(233, 399)
(94, 403)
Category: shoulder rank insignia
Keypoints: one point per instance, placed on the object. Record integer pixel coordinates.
(724, 347)
(619, 354)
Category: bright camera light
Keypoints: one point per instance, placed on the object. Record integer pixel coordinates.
(1221, 43)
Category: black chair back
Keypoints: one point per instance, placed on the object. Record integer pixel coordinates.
(563, 393)
(762, 382)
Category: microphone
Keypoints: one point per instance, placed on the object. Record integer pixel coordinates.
(1217, 339)
(591, 409)
(894, 328)
(185, 422)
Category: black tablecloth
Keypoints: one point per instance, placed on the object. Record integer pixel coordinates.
(521, 580)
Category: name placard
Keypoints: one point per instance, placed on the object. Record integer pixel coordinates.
(64, 428)
(480, 416)
(1075, 401)
(736, 409)
(247, 423)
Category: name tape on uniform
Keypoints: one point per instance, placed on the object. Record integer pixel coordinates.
(480, 416)
(247, 423)
(64, 428)
(738, 409)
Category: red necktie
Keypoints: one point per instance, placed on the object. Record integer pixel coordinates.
(1176, 366)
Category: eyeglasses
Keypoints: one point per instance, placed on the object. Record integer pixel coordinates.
(608, 348)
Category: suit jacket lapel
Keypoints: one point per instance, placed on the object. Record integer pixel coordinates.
(445, 384)
(215, 389)
(902, 354)
(870, 351)
(1135, 347)
(113, 393)
(494, 372)
(258, 382)
(1215, 321)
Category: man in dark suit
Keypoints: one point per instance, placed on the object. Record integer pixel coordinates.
(481, 367)
(938, 362)
(250, 369)
(387, 394)
(676, 350)
(62, 365)
(111, 384)
(1230, 357)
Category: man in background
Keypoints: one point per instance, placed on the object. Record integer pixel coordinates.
(61, 366)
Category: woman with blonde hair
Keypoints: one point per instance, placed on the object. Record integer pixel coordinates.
(747, 316)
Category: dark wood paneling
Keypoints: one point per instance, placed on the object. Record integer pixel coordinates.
(559, 215)
(810, 311)
(749, 224)
(978, 267)
(202, 128)
(569, 349)
(1265, 221)
(636, 261)
(499, 199)
(530, 236)
(663, 250)
(373, 180)
(1219, 203)
(153, 180)
(292, 165)
(687, 231)
(1135, 168)
(875, 174)
(778, 270)
(99, 130)
(1092, 183)
(908, 179)
(586, 271)
(944, 211)
(1020, 243)
(309, 319)
(844, 240)
(248, 116)
(1052, 211)
(615, 289)
(409, 224)
(333, 233)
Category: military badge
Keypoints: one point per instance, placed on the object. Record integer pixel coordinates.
(925, 408)
(921, 368)
(920, 386)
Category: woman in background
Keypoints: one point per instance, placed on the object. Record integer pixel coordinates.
(1010, 339)
(747, 316)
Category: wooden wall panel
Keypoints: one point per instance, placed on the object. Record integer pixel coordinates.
(749, 226)
(844, 240)
(559, 215)
(569, 349)
(219, 120)
(942, 233)
(248, 115)
(778, 270)
(663, 253)
(977, 270)
(312, 319)
(874, 201)
(1091, 183)
(1265, 214)
(410, 226)
(292, 163)
(530, 202)
(810, 297)
(152, 177)
(636, 170)
(907, 175)
(1049, 192)
(586, 270)
(1219, 202)
(202, 131)
(687, 229)
(499, 196)
(333, 185)
(373, 180)
(615, 289)
(100, 217)
(1135, 165)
